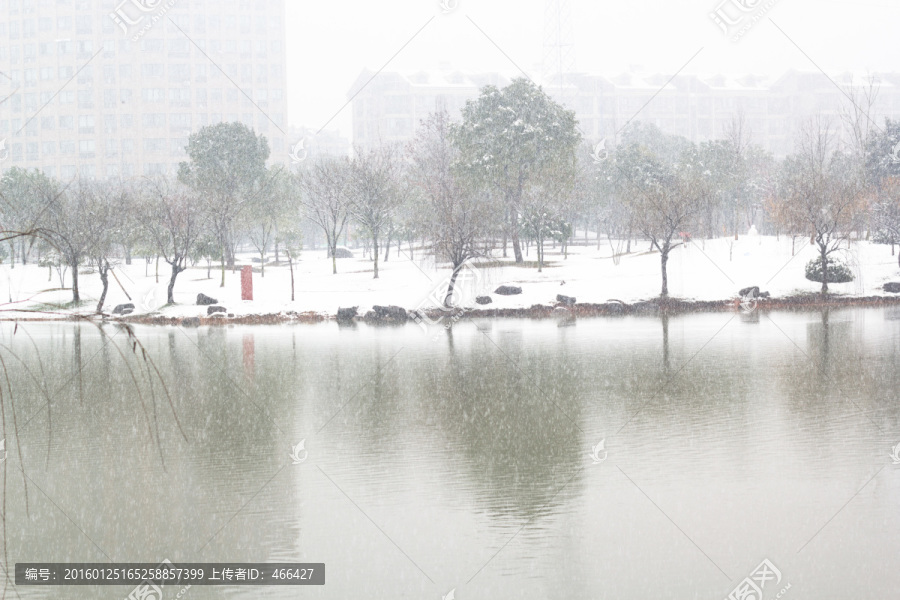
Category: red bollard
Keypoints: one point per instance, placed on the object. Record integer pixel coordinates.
(247, 283)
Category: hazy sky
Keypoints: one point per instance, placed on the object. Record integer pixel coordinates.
(329, 43)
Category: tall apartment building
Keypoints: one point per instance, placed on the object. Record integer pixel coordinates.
(390, 107)
(108, 88)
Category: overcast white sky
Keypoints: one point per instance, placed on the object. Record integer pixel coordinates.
(329, 43)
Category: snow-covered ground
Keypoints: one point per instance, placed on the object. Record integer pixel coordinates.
(711, 270)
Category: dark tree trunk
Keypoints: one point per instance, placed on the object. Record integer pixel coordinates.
(291, 265)
(517, 248)
(375, 254)
(663, 259)
(104, 278)
(76, 297)
(449, 297)
(170, 293)
(127, 255)
(332, 247)
(824, 257)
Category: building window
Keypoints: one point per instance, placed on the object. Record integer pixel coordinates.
(152, 70)
(153, 120)
(155, 145)
(153, 94)
(83, 24)
(86, 124)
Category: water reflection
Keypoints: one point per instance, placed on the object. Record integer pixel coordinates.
(431, 460)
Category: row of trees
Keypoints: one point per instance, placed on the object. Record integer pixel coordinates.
(513, 172)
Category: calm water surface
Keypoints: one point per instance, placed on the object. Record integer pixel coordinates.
(462, 460)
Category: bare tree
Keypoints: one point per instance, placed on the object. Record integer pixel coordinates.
(456, 217)
(101, 207)
(173, 223)
(325, 199)
(665, 184)
(823, 189)
(264, 214)
(374, 192)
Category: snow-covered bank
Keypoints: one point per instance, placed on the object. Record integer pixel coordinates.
(711, 271)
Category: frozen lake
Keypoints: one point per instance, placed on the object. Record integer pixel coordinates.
(462, 460)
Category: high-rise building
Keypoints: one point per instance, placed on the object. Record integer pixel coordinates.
(389, 107)
(108, 88)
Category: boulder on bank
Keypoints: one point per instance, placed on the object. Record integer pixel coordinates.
(341, 252)
(216, 309)
(387, 314)
(190, 322)
(347, 314)
(483, 300)
(645, 307)
(892, 287)
(751, 292)
(204, 300)
(566, 300)
(508, 290)
(123, 309)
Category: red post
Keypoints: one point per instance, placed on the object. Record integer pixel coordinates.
(247, 283)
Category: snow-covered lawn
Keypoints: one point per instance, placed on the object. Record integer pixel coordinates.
(698, 271)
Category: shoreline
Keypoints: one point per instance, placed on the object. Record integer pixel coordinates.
(657, 306)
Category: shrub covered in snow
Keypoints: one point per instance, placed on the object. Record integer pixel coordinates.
(838, 272)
